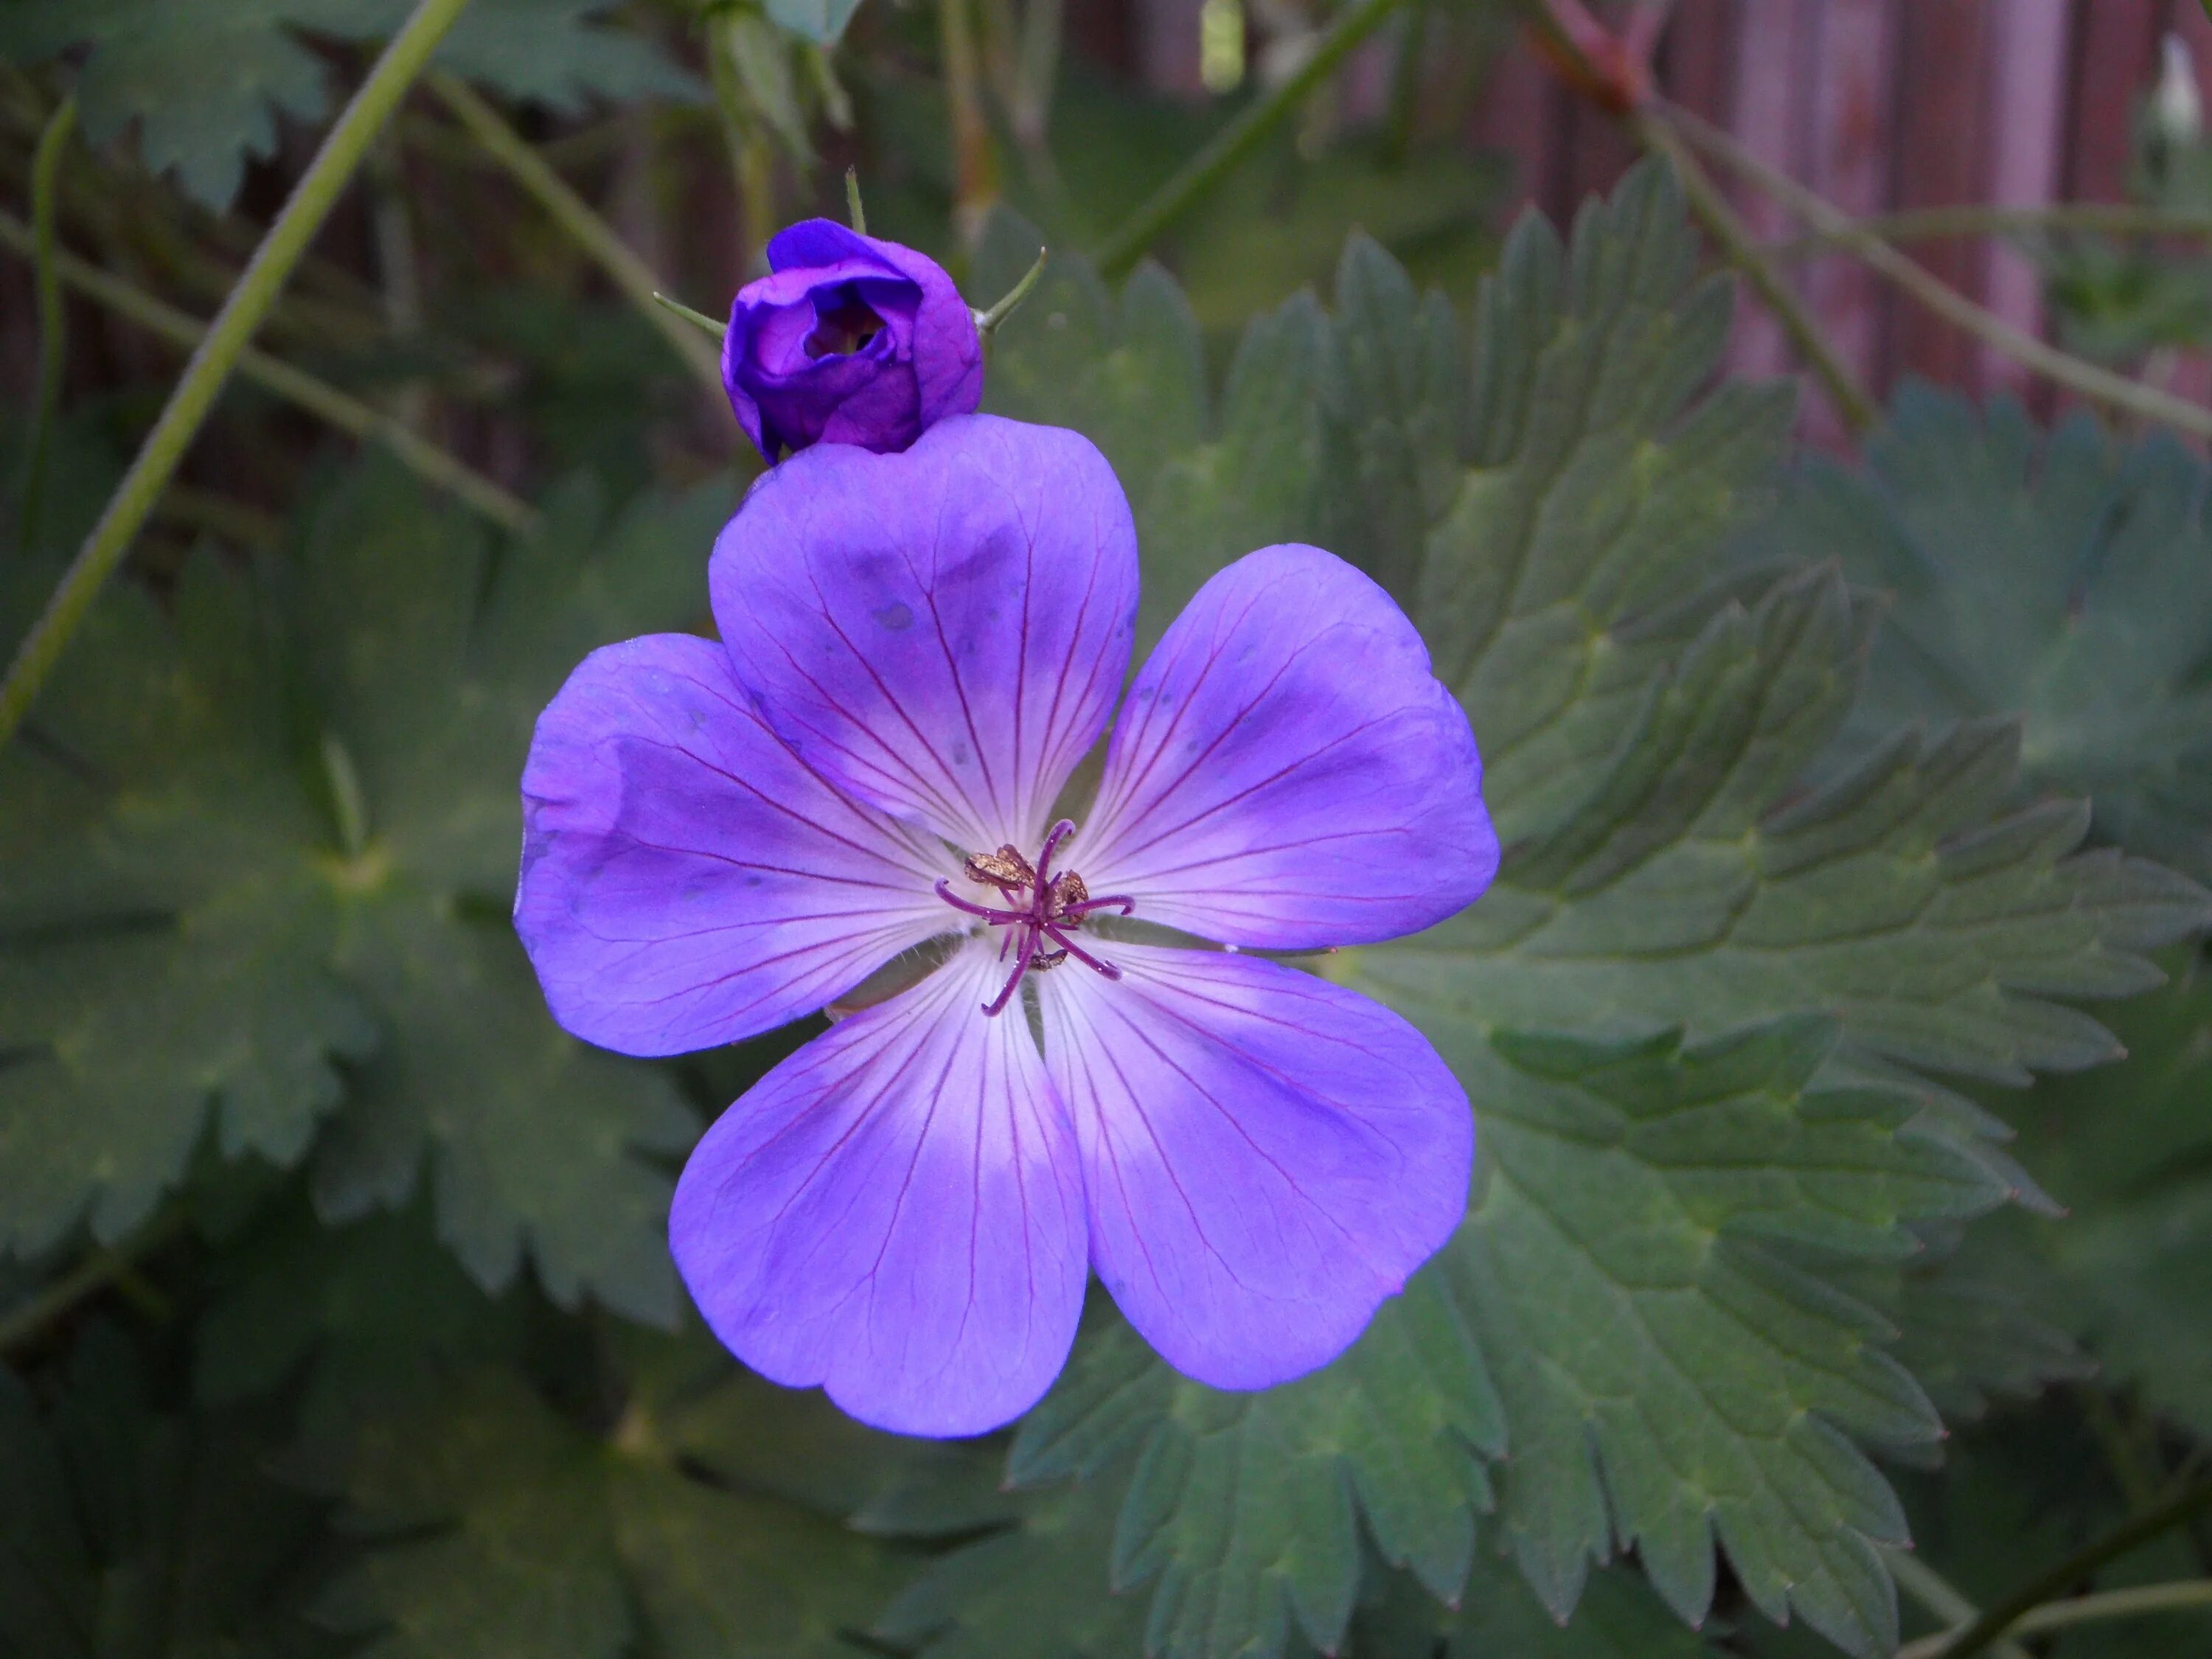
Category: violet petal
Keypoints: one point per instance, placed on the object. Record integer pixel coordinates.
(686, 881)
(1286, 772)
(1267, 1155)
(896, 1213)
(943, 631)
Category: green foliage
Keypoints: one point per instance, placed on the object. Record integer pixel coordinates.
(2066, 579)
(506, 1529)
(204, 84)
(1771, 905)
(298, 841)
(130, 1533)
(2128, 1151)
(1738, 980)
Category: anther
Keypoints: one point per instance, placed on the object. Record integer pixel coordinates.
(1040, 909)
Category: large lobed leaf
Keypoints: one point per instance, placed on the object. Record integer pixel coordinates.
(499, 1528)
(249, 852)
(1699, 1014)
(204, 80)
(2063, 577)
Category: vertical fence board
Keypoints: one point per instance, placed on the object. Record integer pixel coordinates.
(2027, 65)
(1853, 112)
(1771, 114)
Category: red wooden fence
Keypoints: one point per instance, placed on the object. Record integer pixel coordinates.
(1879, 104)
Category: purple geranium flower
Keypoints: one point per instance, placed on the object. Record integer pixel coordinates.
(851, 340)
(918, 650)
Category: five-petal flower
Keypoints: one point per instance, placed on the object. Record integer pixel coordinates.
(918, 652)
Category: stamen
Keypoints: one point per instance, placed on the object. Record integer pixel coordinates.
(1040, 906)
(1080, 954)
(996, 918)
(1077, 912)
(997, 1005)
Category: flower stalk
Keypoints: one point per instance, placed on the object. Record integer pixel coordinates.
(1221, 154)
(53, 321)
(342, 153)
(319, 397)
(575, 216)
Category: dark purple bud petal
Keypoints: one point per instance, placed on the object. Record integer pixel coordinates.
(848, 340)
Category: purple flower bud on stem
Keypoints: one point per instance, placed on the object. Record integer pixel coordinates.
(849, 340)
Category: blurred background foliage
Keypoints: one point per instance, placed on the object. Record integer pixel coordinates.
(1831, 1194)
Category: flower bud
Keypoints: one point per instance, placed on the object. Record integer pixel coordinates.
(849, 340)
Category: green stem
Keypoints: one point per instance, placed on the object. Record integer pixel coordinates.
(2002, 1616)
(1947, 302)
(854, 210)
(1711, 207)
(94, 1273)
(1220, 154)
(1934, 224)
(1940, 1597)
(574, 216)
(53, 321)
(2131, 1603)
(189, 404)
(2128, 1603)
(987, 322)
(349, 413)
(698, 319)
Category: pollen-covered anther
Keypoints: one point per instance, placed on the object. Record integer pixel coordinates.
(1042, 909)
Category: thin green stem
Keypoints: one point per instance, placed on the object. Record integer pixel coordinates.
(53, 320)
(1947, 302)
(987, 322)
(698, 319)
(2002, 1616)
(575, 216)
(854, 210)
(189, 404)
(326, 402)
(2130, 1603)
(1852, 401)
(1219, 156)
(103, 1267)
(1935, 224)
(1940, 1597)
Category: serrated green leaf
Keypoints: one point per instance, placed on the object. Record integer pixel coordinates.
(1648, 715)
(202, 82)
(2062, 578)
(1500, 1617)
(1689, 889)
(163, 935)
(126, 1533)
(409, 697)
(1671, 1380)
(507, 1531)
(1596, 492)
(1242, 1505)
(432, 698)
(1036, 1590)
(1131, 376)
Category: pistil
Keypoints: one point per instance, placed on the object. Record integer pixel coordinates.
(1042, 911)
